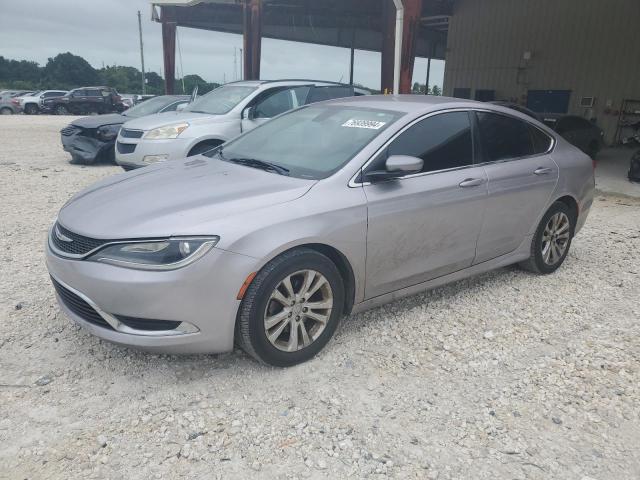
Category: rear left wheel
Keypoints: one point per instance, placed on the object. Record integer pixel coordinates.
(291, 309)
(552, 240)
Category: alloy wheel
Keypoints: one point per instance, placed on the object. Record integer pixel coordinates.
(555, 238)
(298, 310)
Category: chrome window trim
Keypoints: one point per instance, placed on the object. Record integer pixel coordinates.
(354, 184)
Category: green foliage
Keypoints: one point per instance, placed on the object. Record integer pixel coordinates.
(418, 88)
(19, 74)
(68, 71)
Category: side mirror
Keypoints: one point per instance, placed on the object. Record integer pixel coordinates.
(249, 113)
(396, 166)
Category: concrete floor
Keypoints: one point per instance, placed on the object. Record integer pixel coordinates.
(611, 172)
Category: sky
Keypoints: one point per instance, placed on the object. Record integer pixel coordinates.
(106, 33)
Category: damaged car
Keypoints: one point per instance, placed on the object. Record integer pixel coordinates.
(92, 139)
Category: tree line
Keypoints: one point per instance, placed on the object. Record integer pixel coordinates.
(68, 71)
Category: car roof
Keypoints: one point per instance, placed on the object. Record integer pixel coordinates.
(288, 81)
(410, 103)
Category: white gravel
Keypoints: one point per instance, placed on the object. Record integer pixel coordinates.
(504, 376)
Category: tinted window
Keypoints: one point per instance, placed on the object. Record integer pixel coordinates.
(442, 141)
(504, 137)
(78, 93)
(95, 93)
(541, 141)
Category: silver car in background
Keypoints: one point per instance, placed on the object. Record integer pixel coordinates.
(330, 209)
(216, 117)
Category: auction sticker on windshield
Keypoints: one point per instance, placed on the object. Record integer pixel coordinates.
(371, 124)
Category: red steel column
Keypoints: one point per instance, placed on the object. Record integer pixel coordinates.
(412, 14)
(169, 48)
(388, 42)
(252, 38)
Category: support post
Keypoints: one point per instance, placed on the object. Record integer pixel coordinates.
(411, 25)
(252, 38)
(388, 31)
(168, 20)
(144, 82)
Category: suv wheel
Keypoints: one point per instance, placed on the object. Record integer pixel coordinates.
(30, 109)
(6, 111)
(61, 110)
(291, 309)
(552, 240)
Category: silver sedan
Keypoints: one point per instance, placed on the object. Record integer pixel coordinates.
(268, 240)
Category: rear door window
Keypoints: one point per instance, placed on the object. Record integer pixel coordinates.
(275, 104)
(504, 137)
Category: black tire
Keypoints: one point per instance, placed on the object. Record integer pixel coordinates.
(6, 111)
(536, 263)
(31, 109)
(250, 330)
(203, 147)
(61, 110)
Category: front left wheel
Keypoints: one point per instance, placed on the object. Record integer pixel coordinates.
(291, 309)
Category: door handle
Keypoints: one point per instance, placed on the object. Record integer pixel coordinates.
(543, 171)
(471, 182)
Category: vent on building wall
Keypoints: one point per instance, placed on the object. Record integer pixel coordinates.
(587, 102)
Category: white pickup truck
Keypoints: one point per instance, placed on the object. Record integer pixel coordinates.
(30, 104)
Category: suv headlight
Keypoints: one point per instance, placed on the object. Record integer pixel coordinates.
(167, 254)
(170, 131)
(108, 132)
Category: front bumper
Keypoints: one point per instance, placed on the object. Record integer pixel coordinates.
(85, 149)
(130, 152)
(201, 296)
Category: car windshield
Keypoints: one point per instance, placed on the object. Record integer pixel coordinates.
(221, 100)
(153, 105)
(313, 142)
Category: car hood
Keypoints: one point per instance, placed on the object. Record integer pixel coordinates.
(96, 121)
(169, 118)
(182, 197)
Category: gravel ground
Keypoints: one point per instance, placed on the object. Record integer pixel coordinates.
(503, 376)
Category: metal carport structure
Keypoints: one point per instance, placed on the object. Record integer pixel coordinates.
(355, 24)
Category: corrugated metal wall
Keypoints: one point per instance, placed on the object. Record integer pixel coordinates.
(591, 47)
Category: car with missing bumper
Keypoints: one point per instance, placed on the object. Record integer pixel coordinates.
(92, 138)
(216, 117)
(268, 240)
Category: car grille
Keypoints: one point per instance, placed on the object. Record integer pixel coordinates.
(126, 147)
(69, 130)
(147, 324)
(126, 133)
(73, 243)
(78, 306)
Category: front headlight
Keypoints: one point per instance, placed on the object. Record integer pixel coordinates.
(156, 254)
(108, 132)
(170, 131)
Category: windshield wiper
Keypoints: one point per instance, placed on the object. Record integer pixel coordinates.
(261, 164)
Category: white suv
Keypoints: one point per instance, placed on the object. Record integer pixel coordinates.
(30, 104)
(216, 117)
